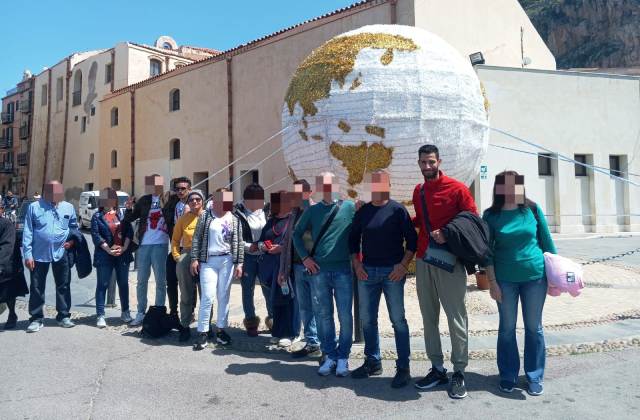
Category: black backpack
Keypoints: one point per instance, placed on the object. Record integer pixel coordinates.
(157, 322)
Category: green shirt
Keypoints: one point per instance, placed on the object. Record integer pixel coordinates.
(517, 255)
(332, 252)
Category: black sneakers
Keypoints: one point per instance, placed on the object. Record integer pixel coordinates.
(402, 378)
(201, 342)
(457, 390)
(434, 378)
(223, 338)
(368, 368)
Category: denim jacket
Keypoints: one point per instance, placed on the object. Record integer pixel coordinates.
(100, 233)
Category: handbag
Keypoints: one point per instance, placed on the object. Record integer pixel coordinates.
(437, 255)
(563, 275)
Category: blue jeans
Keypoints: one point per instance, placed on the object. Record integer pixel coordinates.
(151, 256)
(305, 305)
(248, 283)
(532, 295)
(327, 285)
(104, 272)
(370, 291)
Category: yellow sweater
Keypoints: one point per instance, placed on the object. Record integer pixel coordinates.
(183, 232)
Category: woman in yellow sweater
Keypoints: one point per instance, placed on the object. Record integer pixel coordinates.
(181, 252)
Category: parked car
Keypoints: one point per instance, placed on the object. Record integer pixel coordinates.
(88, 205)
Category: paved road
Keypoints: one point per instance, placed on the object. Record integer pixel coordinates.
(586, 249)
(93, 374)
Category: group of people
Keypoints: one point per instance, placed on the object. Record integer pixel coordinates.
(305, 256)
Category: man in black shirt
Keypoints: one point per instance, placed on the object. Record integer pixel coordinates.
(380, 229)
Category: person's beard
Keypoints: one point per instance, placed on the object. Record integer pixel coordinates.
(430, 174)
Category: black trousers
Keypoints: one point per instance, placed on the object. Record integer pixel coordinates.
(62, 278)
(172, 284)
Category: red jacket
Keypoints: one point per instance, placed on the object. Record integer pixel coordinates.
(446, 197)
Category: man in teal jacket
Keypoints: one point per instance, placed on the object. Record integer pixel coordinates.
(330, 271)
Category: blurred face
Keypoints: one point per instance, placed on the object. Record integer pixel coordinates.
(195, 203)
(53, 192)
(380, 186)
(222, 202)
(254, 200)
(295, 198)
(429, 165)
(326, 187)
(511, 187)
(281, 203)
(154, 185)
(306, 192)
(182, 190)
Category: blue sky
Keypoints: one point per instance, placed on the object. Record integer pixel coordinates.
(41, 33)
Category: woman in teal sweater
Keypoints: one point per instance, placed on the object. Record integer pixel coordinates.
(516, 273)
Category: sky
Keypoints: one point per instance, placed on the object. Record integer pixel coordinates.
(34, 39)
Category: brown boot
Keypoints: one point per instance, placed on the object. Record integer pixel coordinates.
(251, 325)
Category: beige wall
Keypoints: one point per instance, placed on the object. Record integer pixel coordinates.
(114, 138)
(489, 26)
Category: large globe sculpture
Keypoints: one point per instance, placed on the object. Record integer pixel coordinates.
(369, 98)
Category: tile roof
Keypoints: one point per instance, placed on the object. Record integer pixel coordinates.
(223, 54)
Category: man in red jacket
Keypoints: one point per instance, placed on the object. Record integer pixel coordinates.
(444, 198)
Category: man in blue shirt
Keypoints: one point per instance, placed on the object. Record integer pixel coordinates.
(45, 242)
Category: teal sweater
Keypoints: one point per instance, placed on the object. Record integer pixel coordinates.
(332, 253)
(517, 256)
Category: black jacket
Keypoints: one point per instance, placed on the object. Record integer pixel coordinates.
(241, 212)
(468, 238)
(79, 255)
(141, 210)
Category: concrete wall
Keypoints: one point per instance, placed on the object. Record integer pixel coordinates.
(489, 26)
(568, 113)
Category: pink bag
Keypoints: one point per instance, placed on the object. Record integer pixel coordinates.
(563, 275)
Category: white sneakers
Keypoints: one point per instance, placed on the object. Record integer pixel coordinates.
(138, 320)
(342, 369)
(327, 367)
(284, 342)
(100, 322)
(125, 316)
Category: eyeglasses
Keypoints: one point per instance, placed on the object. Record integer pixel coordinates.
(196, 199)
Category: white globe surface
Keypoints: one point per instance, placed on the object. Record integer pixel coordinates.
(369, 98)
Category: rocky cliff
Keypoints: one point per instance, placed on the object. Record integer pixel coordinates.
(589, 33)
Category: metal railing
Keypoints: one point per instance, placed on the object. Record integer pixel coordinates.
(6, 143)
(25, 106)
(7, 117)
(24, 132)
(6, 167)
(23, 159)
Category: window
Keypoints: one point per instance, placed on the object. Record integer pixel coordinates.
(174, 100)
(77, 88)
(43, 95)
(614, 165)
(88, 186)
(114, 117)
(116, 184)
(108, 73)
(580, 170)
(83, 125)
(167, 46)
(544, 164)
(91, 160)
(17, 105)
(59, 88)
(155, 67)
(174, 149)
(114, 158)
(93, 110)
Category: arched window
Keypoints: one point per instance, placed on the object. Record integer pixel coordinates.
(155, 67)
(174, 149)
(91, 159)
(114, 116)
(167, 46)
(77, 88)
(174, 100)
(114, 158)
